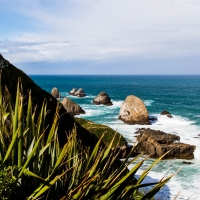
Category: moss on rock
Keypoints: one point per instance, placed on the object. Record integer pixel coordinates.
(98, 130)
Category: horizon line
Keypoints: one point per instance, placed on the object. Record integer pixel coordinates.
(113, 74)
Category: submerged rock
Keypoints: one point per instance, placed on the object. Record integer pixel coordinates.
(71, 107)
(79, 93)
(133, 111)
(166, 113)
(102, 98)
(55, 93)
(187, 163)
(156, 143)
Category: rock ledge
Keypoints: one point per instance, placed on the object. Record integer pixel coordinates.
(156, 143)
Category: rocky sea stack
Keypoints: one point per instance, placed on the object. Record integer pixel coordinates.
(102, 98)
(79, 93)
(73, 91)
(55, 93)
(71, 107)
(133, 111)
(156, 143)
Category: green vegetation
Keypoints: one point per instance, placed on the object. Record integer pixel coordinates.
(33, 166)
(98, 130)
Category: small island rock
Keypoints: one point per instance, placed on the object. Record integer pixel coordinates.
(102, 98)
(133, 111)
(55, 93)
(166, 113)
(79, 93)
(73, 91)
(71, 107)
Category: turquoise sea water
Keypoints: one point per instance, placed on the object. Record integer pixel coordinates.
(180, 95)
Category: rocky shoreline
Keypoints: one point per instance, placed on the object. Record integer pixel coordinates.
(156, 143)
(133, 111)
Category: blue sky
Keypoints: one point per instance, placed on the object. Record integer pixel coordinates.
(101, 36)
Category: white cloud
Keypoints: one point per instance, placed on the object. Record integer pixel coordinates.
(100, 29)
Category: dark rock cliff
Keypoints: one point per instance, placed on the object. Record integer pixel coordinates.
(10, 75)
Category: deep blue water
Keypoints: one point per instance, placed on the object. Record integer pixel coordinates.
(180, 95)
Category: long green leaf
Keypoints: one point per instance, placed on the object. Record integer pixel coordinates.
(94, 154)
(29, 122)
(20, 120)
(28, 172)
(156, 189)
(31, 155)
(54, 125)
(145, 173)
(12, 145)
(121, 182)
(44, 187)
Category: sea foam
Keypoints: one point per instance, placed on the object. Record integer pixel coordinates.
(187, 179)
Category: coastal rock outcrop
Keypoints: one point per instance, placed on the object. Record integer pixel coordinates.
(100, 129)
(156, 143)
(73, 91)
(79, 93)
(133, 111)
(166, 113)
(71, 107)
(55, 93)
(102, 98)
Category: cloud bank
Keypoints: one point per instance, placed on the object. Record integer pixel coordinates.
(80, 30)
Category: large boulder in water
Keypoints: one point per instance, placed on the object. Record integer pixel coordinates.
(55, 93)
(10, 75)
(79, 93)
(156, 143)
(133, 111)
(102, 98)
(71, 107)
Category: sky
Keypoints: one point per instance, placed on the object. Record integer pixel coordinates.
(101, 36)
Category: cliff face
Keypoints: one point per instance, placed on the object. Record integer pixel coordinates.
(10, 75)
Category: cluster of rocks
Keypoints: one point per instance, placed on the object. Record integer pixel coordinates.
(156, 143)
(132, 111)
(73, 108)
(78, 93)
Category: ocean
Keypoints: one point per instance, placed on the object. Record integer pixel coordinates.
(180, 95)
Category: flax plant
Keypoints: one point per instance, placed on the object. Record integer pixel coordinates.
(41, 169)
